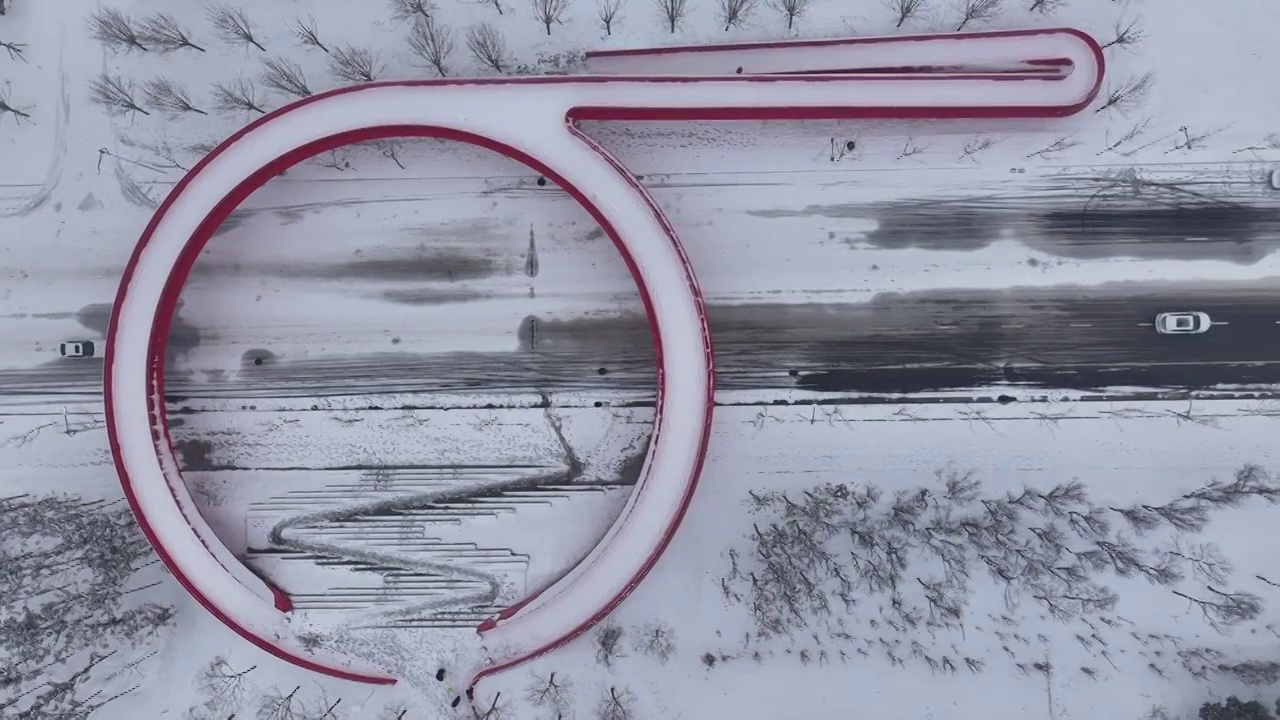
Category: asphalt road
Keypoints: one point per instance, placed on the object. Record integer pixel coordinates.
(898, 343)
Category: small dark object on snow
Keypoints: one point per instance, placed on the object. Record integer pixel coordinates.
(440, 675)
(456, 701)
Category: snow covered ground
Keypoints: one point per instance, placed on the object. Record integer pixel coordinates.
(391, 327)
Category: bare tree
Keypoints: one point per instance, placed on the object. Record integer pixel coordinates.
(735, 12)
(169, 97)
(354, 64)
(15, 50)
(115, 30)
(548, 12)
(410, 9)
(790, 9)
(608, 10)
(609, 643)
(389, 149)
(162, 32)
(904, 10)
(658, 640)
(8, 107)
(1046, 6)
(1206, 560)
(277, 704)
(616, 704)
(1126, 34)
(1224, 609)
(239, 95)
(673, 13)
(488, 46)
(552, 692)
(1057, 146)
(285, 76)
(233, 25)
(225, 687)
(978, 10)
(433, 43)
(1128, 94)
(307, 34)
(115, 94)
(496, 4)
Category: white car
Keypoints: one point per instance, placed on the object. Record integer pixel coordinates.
(81, 349)
(1182, 323)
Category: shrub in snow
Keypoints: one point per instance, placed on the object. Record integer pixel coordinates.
(233, 25)
(433, 43)
(1127, 34)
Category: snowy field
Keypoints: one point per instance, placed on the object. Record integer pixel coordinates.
(953, 472)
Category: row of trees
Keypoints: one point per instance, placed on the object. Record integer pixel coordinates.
(71, 632)
(918, 552)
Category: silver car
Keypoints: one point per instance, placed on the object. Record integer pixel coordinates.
(1183, 323)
